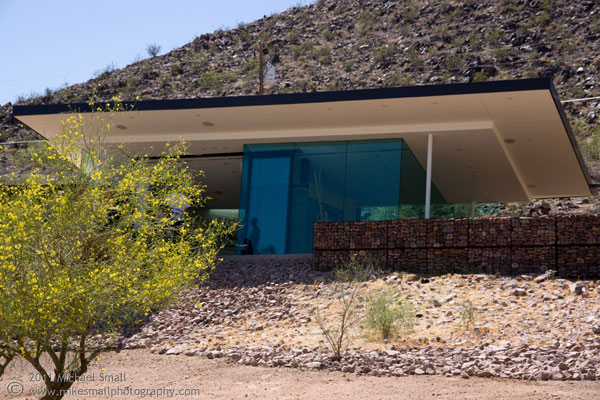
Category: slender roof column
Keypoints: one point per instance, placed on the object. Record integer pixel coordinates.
(428, 179)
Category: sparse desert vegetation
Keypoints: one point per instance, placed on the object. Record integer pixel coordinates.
(262, 314)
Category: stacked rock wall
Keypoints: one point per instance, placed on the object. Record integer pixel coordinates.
(567, 244)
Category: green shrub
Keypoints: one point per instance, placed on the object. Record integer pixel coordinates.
(328, 35)
(468, 314)
(365, 21)
(199, 64)
(385, 54)
(543, 18)
(243, 35)
(303, 48)
(415, 57)
(494, 36)
(454, 62)
(475, 42)
(501, 52)
(440, 32)
(176, 69)
(457, 42)
(146, 67)
(480, 76)
(588, 138)
(215, 80)
(386, 315)
(398, 79)
(356, 269)
(363, 40)
(325, 55)
(164, 80)
(411, 13)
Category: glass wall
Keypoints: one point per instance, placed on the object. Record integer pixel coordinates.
(287, 187)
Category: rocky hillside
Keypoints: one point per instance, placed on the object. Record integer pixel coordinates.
(351, 44)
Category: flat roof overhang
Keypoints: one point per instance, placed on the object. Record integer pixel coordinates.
(498, 141)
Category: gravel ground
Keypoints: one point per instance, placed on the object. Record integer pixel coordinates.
(262, 314)
(217, 379)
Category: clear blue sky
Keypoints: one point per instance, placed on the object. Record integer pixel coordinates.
(46, 43)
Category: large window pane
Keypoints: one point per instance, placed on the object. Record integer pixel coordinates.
(265, 195)
(372, 180)
(317, 190)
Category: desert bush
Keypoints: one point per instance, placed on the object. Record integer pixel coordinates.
(303, 49)
(325, 55)
(480, 76)
(440, 32)
(337, 333)
(397, 79)
(501, 52)
(328, 35)
(153, 49)
(454, 62)
(457, 41)
(176, 68)
(215, 80)
(348, 65)
(365, 21)
(543, 18)
(386, 315)
(103, 73)
(588, 138)
(385, 54)
(243, 35)
(494, 37)
(468, 314)
(356, 269)
(415, 57)
(199, 63)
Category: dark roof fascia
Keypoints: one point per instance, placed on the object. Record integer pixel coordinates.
(300, 98)
(571, 135)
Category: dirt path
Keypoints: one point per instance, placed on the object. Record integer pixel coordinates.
(217, 379)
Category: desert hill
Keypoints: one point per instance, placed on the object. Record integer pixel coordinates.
(352, 44)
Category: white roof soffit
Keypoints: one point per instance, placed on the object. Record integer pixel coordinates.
(493, 141)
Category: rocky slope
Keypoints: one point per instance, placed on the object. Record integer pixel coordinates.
(351, 44)
(263, 313)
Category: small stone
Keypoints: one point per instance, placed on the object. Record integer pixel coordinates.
(557, 376)
(518, 292)
(173, 351)
(578, 288)
(563, 366)
(449, 297)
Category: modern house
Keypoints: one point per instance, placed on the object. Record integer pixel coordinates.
(282, 162)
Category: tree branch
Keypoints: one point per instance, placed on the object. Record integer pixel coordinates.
(35, 362)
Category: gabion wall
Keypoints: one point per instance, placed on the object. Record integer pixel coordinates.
(567, 244)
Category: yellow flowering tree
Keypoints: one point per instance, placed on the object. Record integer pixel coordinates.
(89, 247)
